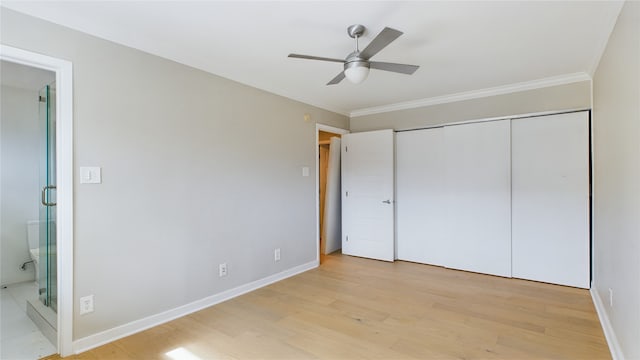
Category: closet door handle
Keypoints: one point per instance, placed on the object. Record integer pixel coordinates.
(387, 201)
(44, 195)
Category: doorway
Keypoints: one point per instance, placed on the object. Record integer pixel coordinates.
(328, 189)
(28, 221)
(52, 226)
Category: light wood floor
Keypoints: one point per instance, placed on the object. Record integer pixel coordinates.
(353, 308)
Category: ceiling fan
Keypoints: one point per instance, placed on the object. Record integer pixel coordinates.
(357, 64)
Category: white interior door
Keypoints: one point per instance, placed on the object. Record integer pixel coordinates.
(478, 186)
(421, 201)
(367, 195)
(551, 199)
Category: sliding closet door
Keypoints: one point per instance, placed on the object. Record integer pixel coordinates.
(478, 186)
(421, 203)
(551, 199)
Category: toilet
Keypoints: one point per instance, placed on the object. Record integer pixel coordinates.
(33, 239)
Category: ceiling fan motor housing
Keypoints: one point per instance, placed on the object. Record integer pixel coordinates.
(356, 30)
(354, 60)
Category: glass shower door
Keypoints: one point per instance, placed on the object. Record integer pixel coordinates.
(47, 258)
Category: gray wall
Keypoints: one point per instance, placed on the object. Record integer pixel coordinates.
(197, 170)
(561, 97)
(616, 198)
(19, 186)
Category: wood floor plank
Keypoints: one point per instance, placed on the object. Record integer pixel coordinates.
(355, 308)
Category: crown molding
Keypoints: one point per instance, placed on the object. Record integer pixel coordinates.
(475, 94)
(602, 46)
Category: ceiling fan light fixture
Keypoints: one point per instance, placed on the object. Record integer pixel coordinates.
(357, 64)
(356, 71)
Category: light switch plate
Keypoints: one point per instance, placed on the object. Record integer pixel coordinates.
(90, 175)
(305, 171)
(86, 304)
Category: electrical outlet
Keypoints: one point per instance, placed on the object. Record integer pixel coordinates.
(222, 268)
(276, 254)
(610, 297)
(86, 304)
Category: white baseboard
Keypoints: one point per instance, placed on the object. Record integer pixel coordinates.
(107, 336)
(609, 334)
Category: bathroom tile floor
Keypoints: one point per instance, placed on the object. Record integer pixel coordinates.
(20, 338)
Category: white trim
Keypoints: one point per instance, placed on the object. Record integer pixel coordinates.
(107, 336)
(592, 177)
(609, 334)
(335, 130)
(64, 181)
(475, 94)
(593, 66)
(331, 129)
(497, 118)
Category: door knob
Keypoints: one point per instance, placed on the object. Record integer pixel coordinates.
(387, 201)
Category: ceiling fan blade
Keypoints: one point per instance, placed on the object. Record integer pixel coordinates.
(336, 79)
(398, 68)
(309, 57)
(386, 36)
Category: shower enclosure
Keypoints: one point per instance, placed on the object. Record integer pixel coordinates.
(47, 283)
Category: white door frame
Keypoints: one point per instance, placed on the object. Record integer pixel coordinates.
(335, 130)
(64, 182)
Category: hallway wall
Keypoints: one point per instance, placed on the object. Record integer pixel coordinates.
(19, 186)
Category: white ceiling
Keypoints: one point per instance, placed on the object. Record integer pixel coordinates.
(460, 46)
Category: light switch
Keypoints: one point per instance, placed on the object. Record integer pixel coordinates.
(305, 171)
(90, 175)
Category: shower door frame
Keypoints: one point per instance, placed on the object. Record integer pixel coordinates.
(64, 182)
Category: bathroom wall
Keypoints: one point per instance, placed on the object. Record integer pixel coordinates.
(197, 170)
(19, 187)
